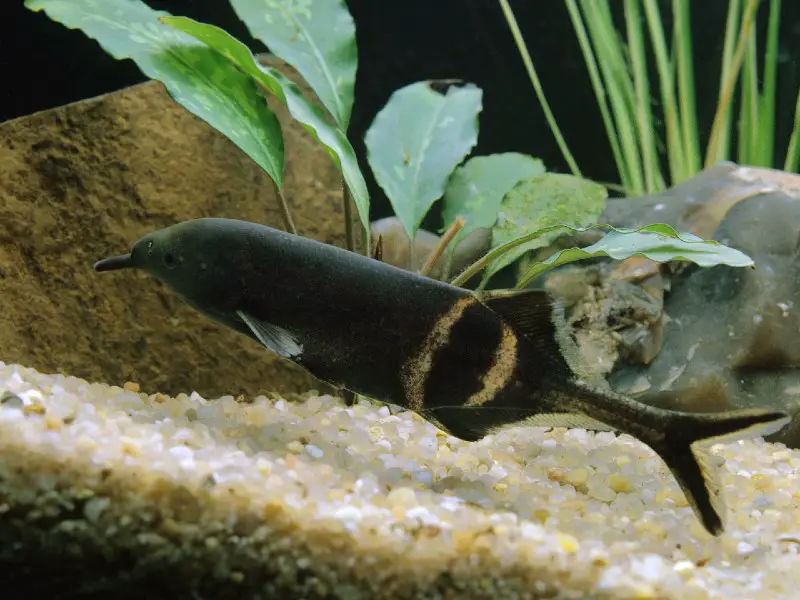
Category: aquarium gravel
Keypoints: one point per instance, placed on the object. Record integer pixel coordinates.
(235, 498)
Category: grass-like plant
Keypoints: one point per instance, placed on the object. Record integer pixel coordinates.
(416, 145)
(617, 65)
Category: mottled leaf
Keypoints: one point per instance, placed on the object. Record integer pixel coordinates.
(199, 79)
(477, 187)
(305, 112)
(316, 37)
(544, 200)
(659, 242)
(417, 140)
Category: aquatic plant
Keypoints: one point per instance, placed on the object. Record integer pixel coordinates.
(617, 66)
(415, 145)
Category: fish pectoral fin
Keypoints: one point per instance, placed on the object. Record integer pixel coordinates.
(275, 338)
(568, 420)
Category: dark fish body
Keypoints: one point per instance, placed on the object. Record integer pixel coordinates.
(469, 363)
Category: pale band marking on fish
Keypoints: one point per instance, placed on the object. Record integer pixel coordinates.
(416, 369)
(501, 371)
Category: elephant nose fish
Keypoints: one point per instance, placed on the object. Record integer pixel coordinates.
(471, 363)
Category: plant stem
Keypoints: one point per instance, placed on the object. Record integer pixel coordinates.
(472, 270)
(445, 240)
(495, 253)
(347, 204)
(284, 206)
(748, 114)
(792, 162)
(614, 187)
(726, 92)
(378, 253)
(537, 86)
(366, 241)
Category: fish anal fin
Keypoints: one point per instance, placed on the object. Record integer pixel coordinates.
(567, 420)
(463, 423)
(539, 318)
(275, 338)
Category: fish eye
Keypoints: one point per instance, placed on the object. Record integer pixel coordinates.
(169, 260)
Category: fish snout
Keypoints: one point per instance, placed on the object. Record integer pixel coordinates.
(114, 263)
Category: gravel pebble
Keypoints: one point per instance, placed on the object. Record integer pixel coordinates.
(316, 500)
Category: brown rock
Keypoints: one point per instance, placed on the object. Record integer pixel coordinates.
(84, 181)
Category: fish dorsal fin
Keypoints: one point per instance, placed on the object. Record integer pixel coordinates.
(539, 318)
(275, 338)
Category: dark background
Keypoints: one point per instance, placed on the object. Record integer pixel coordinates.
(43, 65)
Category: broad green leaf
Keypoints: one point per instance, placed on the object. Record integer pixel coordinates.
(416, 141)
(203, 82)
(477, 187)
(659, 242)
(541, 201)
(306, 113)
(316, 37)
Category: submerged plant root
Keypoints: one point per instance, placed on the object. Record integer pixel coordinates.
(109, 491)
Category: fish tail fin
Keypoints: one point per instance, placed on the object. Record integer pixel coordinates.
(683, 441)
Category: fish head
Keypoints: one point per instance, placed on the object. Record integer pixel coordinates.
(195, 259)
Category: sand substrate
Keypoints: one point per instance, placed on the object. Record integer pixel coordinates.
(105, 492)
